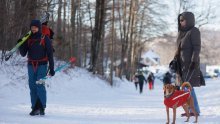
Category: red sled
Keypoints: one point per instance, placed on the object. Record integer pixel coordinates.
(178, 98)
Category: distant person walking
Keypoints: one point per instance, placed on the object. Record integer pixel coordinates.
(141, 80)
(136, 81)
(150, 80)
(167, 78)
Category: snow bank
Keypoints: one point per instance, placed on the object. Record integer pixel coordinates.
(78, 97)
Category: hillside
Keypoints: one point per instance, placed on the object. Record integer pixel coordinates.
(78, 97)
(165, 46)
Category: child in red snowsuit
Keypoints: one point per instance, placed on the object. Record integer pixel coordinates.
(150, 80)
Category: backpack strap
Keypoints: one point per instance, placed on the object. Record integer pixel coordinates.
(42, 41)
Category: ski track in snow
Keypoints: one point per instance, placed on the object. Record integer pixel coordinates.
(81, 98)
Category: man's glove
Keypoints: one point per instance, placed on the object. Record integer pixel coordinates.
(52, 72)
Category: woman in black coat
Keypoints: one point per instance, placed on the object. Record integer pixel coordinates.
(189, 46)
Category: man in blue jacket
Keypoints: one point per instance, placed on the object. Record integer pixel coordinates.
(39, 52)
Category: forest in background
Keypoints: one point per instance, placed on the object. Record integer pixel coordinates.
(104, 35)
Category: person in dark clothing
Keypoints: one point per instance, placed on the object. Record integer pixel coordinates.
(167, 78)
(189, 46)
(39, 51)
(141, 80)
(150, 80)
(189, 43)
(136, 81)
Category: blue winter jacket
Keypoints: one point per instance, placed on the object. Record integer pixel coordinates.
(37, 51)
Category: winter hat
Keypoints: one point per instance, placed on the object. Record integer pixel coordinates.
(190, 20)
(140, 73)
(36, 23)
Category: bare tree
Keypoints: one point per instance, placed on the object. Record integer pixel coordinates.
(59, 21)
(107, 30)
(3, 19)
(64, 20)
(203, 13)
(73, 49)
(97, 34)
(138, 22)
(112, 44)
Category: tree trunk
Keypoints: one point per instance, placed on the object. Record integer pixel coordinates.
(131, 52)
(97, 34)
(112, 44)
(84, 50)
(2, 28)
(32, 9)
(79, 34)
(73, 48)
(59, 26)
(124, 41)
(64, 20)
(130, 21)
(59, 34)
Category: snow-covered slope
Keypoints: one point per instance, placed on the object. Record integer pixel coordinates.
(78, 97)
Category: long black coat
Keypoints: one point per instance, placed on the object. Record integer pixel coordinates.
(189, 43)
(141, 78)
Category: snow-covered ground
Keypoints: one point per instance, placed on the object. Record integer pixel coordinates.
(78, 97)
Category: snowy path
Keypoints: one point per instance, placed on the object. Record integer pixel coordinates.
(84, 99)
